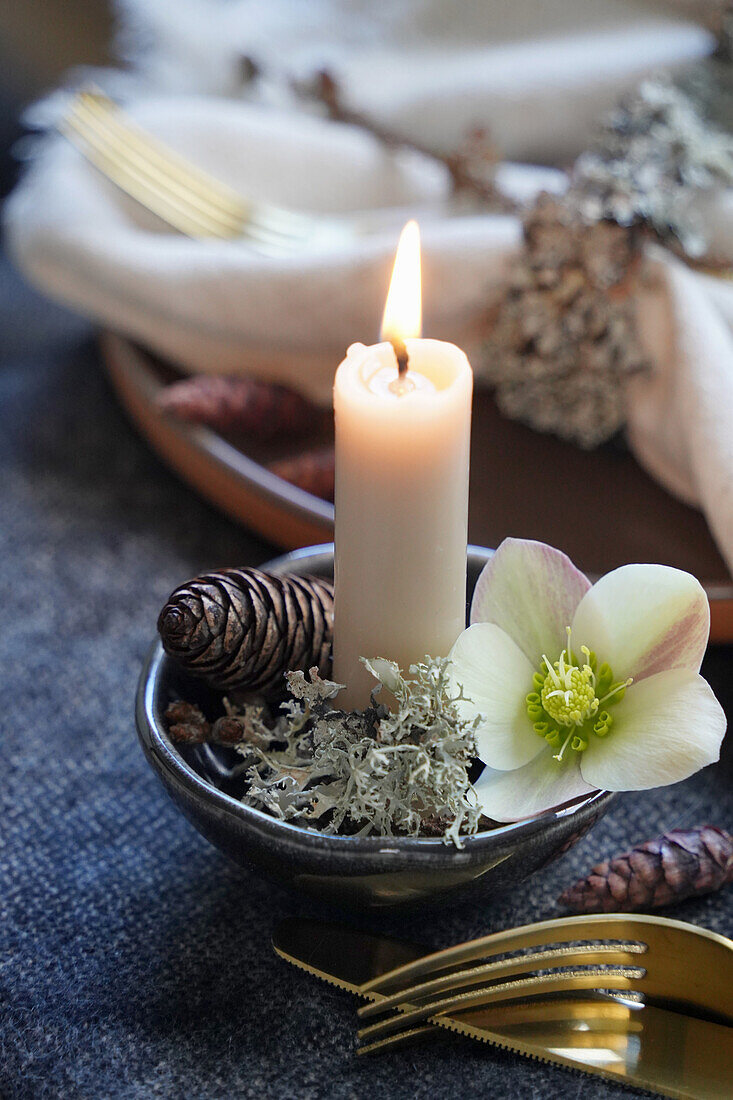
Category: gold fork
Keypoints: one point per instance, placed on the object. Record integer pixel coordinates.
(655, 1046)
(686, 968)
(184, 196)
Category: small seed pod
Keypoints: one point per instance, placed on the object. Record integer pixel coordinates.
(243, 629)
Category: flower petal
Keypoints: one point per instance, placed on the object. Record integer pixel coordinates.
(386, 672)
(524, 792)
(531, 591)
(643, 619)
(667, 727)
(496, 677)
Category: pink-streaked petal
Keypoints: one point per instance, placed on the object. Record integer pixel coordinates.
(531, 591)
(644, 619)
(540, 785)
(496, 677)
(666, 728)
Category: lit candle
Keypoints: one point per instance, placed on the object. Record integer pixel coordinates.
(403, 421)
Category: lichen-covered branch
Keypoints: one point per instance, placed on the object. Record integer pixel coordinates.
(653, 156)
(563, 338)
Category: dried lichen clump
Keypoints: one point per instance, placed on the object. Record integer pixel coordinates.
(654, 155)
(385, 772)
(563, 338)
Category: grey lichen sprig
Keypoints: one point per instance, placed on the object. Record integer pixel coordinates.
(654, 156)
(381, 771)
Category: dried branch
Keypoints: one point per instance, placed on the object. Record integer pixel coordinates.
(471, 167)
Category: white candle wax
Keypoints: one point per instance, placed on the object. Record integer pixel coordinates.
(402, 460)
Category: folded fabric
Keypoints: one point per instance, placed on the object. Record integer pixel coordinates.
(536, 73)
(680, 416)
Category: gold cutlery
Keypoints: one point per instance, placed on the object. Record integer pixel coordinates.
(195, 202)
(184, 196)
(676, 1039)
(643, 954)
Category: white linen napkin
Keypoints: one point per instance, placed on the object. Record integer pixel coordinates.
(537, 73)
(680, 417)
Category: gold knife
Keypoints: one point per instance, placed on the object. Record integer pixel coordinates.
(615, 1037)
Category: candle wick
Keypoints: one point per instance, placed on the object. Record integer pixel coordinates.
(400, 354)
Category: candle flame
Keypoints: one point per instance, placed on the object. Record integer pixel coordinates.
(403, 310)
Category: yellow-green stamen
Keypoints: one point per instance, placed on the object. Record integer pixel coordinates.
(565, 705)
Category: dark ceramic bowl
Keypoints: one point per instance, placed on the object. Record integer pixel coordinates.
(358, 871)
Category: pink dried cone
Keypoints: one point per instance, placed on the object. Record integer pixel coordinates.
(246, 406)
(313, 470)
(681, 864)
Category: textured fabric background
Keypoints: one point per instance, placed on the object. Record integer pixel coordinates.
(134, 960)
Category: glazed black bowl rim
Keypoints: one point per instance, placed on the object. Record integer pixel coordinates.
(162, 754)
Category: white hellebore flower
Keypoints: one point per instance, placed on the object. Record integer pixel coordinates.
(583, 687)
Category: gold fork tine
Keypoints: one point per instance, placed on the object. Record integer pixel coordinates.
(174, 212)
(570, 931)
(598, 978)
(142, 154)
(111, 143)
(191, 177)
(400, 1038)
(603, 1019)
(696, 979)
(154, 155)
(583, 955)
(107, 151)
(182, 194)
(220, 210)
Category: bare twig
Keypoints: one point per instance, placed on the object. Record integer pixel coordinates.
(471, 168)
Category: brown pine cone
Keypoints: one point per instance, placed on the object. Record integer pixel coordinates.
(313, 471)
(247, 406)
(681, 864)
(243, 629)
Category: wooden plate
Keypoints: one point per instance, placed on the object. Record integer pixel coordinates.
(598, 506)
